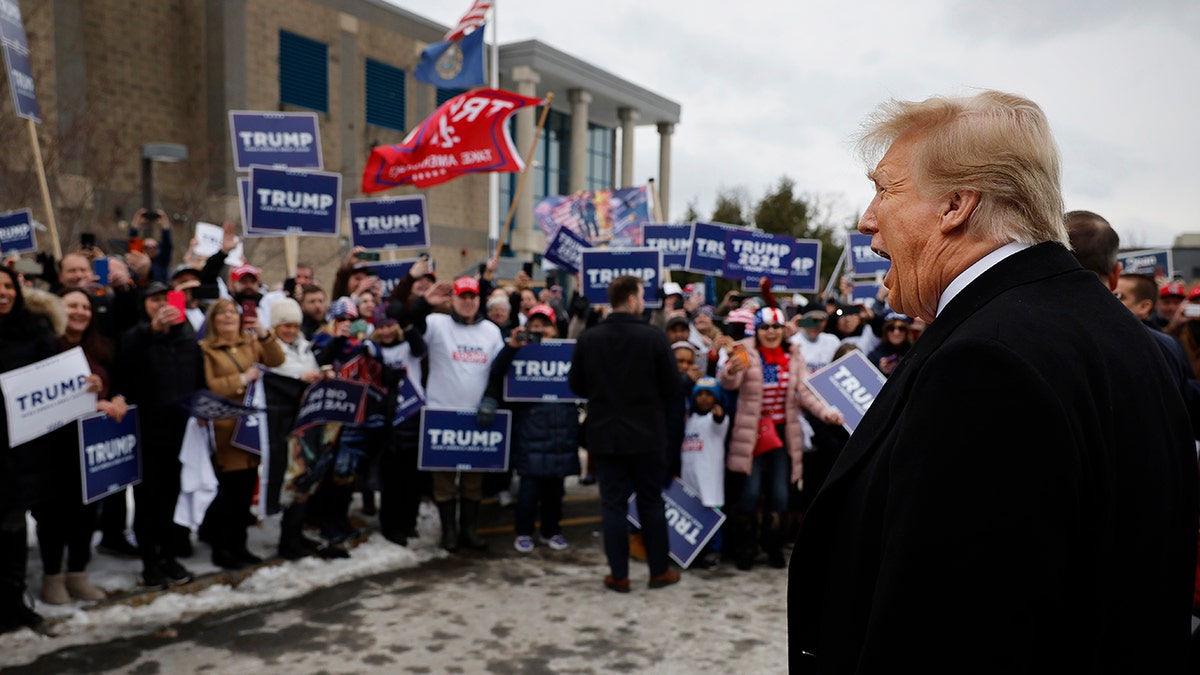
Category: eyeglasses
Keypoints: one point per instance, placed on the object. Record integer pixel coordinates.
(343, 318)
(770, 326)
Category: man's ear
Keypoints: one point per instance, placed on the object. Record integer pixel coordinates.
(957, 208)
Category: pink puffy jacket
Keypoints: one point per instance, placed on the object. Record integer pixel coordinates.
(749, 385)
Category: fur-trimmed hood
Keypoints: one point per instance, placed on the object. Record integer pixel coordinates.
(48, 305)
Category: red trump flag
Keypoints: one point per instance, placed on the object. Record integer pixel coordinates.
(467, 134)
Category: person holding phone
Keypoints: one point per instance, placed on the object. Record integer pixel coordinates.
(233, 349)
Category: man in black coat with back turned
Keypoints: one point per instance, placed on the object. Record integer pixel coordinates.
(625, 370)
(1021, 495)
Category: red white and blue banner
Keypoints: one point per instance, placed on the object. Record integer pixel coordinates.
(16, 232)
(690, 524)
(452, 441)
(849, 384)
(603, 217)
(539, 372)
(110, 454)
(465, 135)
(388, 222)
(294, 201)
(275, 139)
(599, 266)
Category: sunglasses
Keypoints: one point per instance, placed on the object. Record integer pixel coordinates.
(896, 328)
(770, 326)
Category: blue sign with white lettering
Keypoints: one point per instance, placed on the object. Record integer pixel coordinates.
(16, 232)
(110, 454)
(599, 266)
(295, 201)
(452, 441)
(707, 254)
(539, 372)
(331, 402)
(862, 260)
(20, 81)
(690, 524)
(752, 254)
(864, 294)
(408, 402)
(565, 249)
(675, 242)
(1153, 263)
(244, 202)
(391, 273)
(849, 384)
(805, 273)
(275, 139)
(12, 27)
(389, 222)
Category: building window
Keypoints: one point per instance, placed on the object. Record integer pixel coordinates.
(303, 72)
(444, 95)
(599, 158)
(386, 96)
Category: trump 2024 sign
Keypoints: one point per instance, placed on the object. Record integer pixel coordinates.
(451, 440)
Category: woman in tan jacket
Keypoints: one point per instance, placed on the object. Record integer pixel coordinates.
(232, 349)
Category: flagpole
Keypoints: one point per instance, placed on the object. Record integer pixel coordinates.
(51, 224)
(493, 177)
(537, 133)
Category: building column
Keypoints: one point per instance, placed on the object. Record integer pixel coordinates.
(629, 118)
(579, 98)
(665, 129)
(524, 238)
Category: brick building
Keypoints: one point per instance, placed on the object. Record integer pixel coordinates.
(115, 75)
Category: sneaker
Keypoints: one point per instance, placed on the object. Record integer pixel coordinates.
(523, 544)
(175, 573)
(556, 543)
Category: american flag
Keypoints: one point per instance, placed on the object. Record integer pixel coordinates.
(474, 18)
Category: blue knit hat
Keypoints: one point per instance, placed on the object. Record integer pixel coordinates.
(710, 385)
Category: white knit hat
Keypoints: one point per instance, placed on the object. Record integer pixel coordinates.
(285, 310)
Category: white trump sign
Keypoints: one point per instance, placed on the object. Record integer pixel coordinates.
(46, 395)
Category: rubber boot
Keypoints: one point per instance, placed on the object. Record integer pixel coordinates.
(15, 612)
(449, 518)
(293, 545)
(772, 540)
(54, 589)
(81, 588)
(468, 522)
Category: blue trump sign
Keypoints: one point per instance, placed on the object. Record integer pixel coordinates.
(391, 273)
(862, 260)
(539, 372)
(707, 252)
(849, 384)
(804, 276)
(110, 454)
(452, 441)
(599, 266)
(408, 402)
(278, 139)
(675, 241)
(864, 293)
(390, 222)
(20, 81)
(565, 249)
(12, 27)
(295, 202)
(1154, 263)
(690, 524)
(16, 232)
(751, 254)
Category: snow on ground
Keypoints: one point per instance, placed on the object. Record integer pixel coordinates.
(131, 610)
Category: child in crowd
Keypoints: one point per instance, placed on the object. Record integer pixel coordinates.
(703, 456)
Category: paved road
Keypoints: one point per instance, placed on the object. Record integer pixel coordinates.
(496, 612)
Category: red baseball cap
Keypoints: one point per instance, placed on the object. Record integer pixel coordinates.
(1194, 294)
(242, 270)
(1174, 288)
(466, 285)
(544, 310)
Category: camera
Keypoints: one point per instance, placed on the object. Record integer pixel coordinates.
(369, 256)
(529, 336)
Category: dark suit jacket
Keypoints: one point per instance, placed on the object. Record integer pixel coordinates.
(625, 369)
(1021, 496)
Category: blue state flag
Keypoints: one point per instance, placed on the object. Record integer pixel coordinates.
(453, 64)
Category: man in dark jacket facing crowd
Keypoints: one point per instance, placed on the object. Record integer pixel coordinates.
(625, 370)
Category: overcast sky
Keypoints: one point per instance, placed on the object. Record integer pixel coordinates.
(778, 88)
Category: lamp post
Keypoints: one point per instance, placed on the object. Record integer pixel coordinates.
(157, 152)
